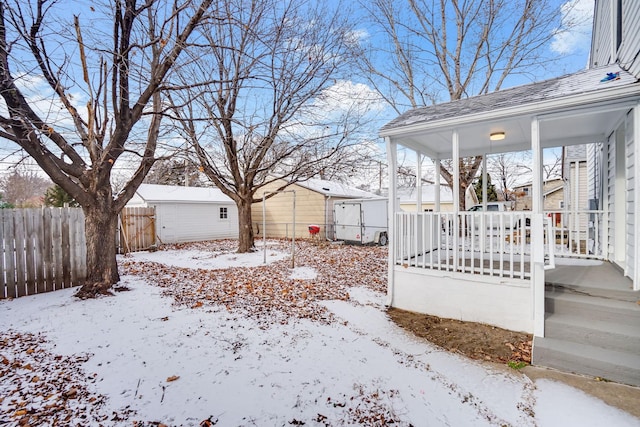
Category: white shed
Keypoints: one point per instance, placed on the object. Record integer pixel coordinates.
(189, 214)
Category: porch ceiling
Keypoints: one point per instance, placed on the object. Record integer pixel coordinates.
(570, 113)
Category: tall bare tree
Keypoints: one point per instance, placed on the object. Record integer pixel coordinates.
(273, 107)
(427, 51)
(113, 58)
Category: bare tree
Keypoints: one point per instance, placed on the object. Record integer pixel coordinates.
(427, 51)
(116, 75)
(273, 106)
(24, 189)
(508, 169)
(552, 167)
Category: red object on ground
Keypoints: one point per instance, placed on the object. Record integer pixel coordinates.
(314, 229)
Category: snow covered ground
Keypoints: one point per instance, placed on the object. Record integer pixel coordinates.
(145, 358)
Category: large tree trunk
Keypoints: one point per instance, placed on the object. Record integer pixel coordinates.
(100, 230)
(245, 227)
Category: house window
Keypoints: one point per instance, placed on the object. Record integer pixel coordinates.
(223, 213)
(561, 204)
(525, 191)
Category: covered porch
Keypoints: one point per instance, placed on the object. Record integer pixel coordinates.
(492, 267)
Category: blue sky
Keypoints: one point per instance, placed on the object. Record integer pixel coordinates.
(571, 49)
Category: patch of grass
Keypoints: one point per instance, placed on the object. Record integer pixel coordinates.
(516, 365)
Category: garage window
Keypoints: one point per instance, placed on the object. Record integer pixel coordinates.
(223, 213)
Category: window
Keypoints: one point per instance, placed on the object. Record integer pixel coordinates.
(525, 191)
(561, 204)
(223, 213)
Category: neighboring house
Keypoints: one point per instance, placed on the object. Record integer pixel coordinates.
(553, 195)
(480, 270)
(313, 200)
(409, 201)
(188, 214)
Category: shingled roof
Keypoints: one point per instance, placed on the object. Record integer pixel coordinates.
(582, 82)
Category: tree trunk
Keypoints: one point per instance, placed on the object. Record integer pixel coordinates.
(102, 268)
(245, 227)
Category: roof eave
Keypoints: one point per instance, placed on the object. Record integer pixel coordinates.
(618, 94)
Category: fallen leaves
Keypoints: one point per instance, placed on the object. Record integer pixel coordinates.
(42, 388)
(267, 293)
(173, 378)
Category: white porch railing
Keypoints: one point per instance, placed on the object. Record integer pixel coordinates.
(492, 243)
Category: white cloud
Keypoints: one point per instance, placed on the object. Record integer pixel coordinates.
(574, 34)
(345, 95)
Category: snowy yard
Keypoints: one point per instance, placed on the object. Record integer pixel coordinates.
(204, 336)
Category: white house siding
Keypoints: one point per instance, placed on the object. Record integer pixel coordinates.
(630, 190)
(602, 41)
(628, 51)
(611, 193)
(192, 222)
(594, 171)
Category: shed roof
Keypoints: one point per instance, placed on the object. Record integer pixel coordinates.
(173, 193)
(335, 189)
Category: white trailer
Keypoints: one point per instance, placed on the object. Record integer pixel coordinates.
(361, 221)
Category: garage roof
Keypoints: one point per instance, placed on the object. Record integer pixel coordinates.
(152, 193)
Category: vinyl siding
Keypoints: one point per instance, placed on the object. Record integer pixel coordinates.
(611, 192)
(310, 209)
(630, 190)
(628, 51)
(195, 222)
(602, 43)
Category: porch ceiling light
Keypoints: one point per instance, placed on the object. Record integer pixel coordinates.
(497, 136)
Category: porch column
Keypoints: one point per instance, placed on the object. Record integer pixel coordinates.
(484, 183)
(392, 206)
(437, 184)
(418, 182)
(636, 197)
(537, 232)
(455, 143)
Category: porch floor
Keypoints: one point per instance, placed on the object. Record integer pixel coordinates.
(591, 277)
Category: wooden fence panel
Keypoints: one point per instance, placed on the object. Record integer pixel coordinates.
(19, 237)
(31, 261)
(137, 229)
(47, 250)
(39, 241)
(41, 250)
(9, 265)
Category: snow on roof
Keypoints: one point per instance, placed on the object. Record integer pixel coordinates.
(335, 189)
(174, 193)
(582, 82)
(428, 194)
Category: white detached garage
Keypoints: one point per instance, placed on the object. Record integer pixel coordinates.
(188, 214)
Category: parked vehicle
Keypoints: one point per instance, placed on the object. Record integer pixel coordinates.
(511, 221)
(362, 221)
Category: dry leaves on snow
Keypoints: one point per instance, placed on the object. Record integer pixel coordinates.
(267, 293)
(38, 387)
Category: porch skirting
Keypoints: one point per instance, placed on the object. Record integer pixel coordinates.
(503, 302)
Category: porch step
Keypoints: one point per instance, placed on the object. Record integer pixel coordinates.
(587, 359)
(595, 335)
(609, 335)
(606, 309)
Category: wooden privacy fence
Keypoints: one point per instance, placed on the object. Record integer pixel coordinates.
(137, 229)
(41, 250)
(44, 249)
